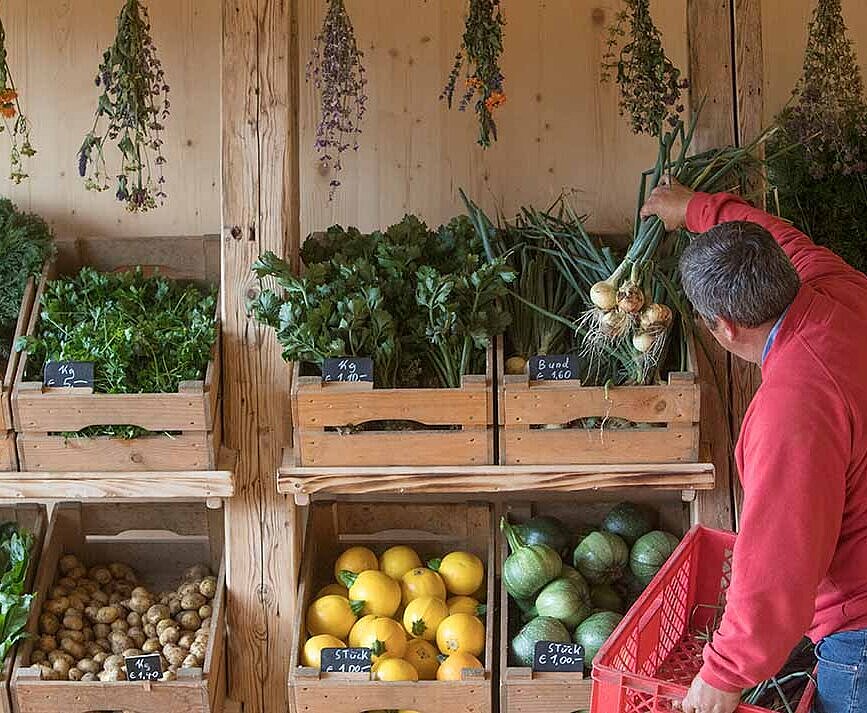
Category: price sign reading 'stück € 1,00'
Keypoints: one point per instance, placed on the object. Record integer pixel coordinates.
(350, 660)
(558, 658)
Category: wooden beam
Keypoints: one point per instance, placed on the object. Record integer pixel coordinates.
(711, 77)
(259, 213)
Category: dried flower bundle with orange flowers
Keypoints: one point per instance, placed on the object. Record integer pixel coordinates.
(15, 123)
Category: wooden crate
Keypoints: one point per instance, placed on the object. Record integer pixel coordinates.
(8, 455)
(521, 689)
(160, 541)
(532, 416)
(321, 413)
(42, 415)
(34, 519)
(433, 529)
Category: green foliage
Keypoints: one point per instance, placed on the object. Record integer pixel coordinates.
(144, 334)
(25, 243)
(422, 304)
(15, 546)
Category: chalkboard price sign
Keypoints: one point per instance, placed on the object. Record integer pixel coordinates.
(558, 658)
(143, 668)
(557, 367)
(347, 369)
(68, 373)
(357, 660)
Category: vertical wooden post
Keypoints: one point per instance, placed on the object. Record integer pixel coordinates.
(711, 76)
(259, 212)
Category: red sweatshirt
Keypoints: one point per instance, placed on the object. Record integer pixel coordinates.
(800, 562)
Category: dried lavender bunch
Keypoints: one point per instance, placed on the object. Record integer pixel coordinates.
(337, 73)
(829, 114)
(481, 48)
(650, 84)
(132, 109)
(15, 123)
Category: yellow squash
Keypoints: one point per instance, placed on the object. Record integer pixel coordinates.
(394, 669)
(461, 633)
(357, 631)
(465, 605)
(397, 561)
(452, 668)
(462, 572)
(338, 589)
(312, 653)
(423, 617)
(383, 636)
(356, 560)
(424, 657)
(332, 614)
(379, 592)
(422, 582)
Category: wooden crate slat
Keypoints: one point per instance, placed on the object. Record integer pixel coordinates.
(332, 527)
(8, 377)
(159, 561)
(8, 454)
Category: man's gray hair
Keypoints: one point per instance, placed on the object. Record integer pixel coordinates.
(737, 271)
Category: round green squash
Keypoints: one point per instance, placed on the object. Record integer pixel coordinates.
(545, 530)
(606, 598)
(564, 600)
(593, 632)
(629, 521)
(650, 553)
(573, 574)
(528, 568)
(601, 557)
(542, 628)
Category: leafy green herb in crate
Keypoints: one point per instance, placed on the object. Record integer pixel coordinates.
(25, 244)
(144, 334)
(15, 546)
(422, 304)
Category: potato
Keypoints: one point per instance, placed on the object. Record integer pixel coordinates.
(197, 571)
(73, 620)
(57, 606)
(208, 587)
(206, 624)
(89, 585)
(100, 598)
(189, 587)
(101, 657)
(47, 643)
(37, 656)
(78, 602)
(48, 623)
(74, 674)
(116, 674)
(70, 634)
(47, 673)
(150, 630)
(165, 624)
(107, 615)
(101, 631)
(186, 640)
(58, 655)
(198, 649)
(122, 571)
(120, 642)
(62, 667)
(169, 675)
(136, 635)
(134, 620)
(88, 678)
(203, 634)
(189, 620)
(119, 625)
(132, 652)
(74, 648)
(122, 588)
(89, 666)
(88, 634)
(140, 604)
(57, 592)
(169, 635)
(100, 574)
(90, 613)
(104, 644)
(67, 583)
(151, 646)
(175, 655)
(175, 606)
(93, 649)
(191, 661)
(205, 611)
(68, 563)
(112, 662)
(193, 600)
(115, 598)
(156, 613)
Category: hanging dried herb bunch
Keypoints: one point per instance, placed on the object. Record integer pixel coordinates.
(15, 123)
(829, 113)
(481, 48)
(337, 73)
(132, 111)
(650, 84)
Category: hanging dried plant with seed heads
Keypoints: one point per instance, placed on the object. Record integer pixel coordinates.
(650, 84)
(336, 71)
(15, 123)
(131, 114)
(480, 52)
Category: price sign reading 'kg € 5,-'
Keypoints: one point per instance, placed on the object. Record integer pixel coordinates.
(68, 374)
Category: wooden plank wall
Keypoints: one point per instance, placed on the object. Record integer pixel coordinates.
(559, 128)
(54, 51)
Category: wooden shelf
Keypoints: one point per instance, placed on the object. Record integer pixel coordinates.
(308, 482)
(140, 485)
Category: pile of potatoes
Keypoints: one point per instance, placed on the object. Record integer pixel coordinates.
(96, 617)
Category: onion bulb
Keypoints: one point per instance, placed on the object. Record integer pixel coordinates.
(516, 365)
(613, 323)
(604, 295)
(656, 317)
(643, 342)
(630, 298)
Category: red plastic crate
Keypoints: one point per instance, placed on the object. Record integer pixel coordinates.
(651, 658)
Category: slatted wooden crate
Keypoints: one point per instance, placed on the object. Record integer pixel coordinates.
(535, 418)
(459, 423)
(521, 689)
(34, 519)
(160, 541)
(433, 529)
(42, 415)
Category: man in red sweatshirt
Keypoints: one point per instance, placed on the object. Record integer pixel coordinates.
(771, 296)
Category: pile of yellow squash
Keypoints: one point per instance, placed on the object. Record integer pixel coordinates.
(421, 623)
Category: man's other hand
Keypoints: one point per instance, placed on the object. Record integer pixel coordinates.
(669, 201)
(703, 698)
